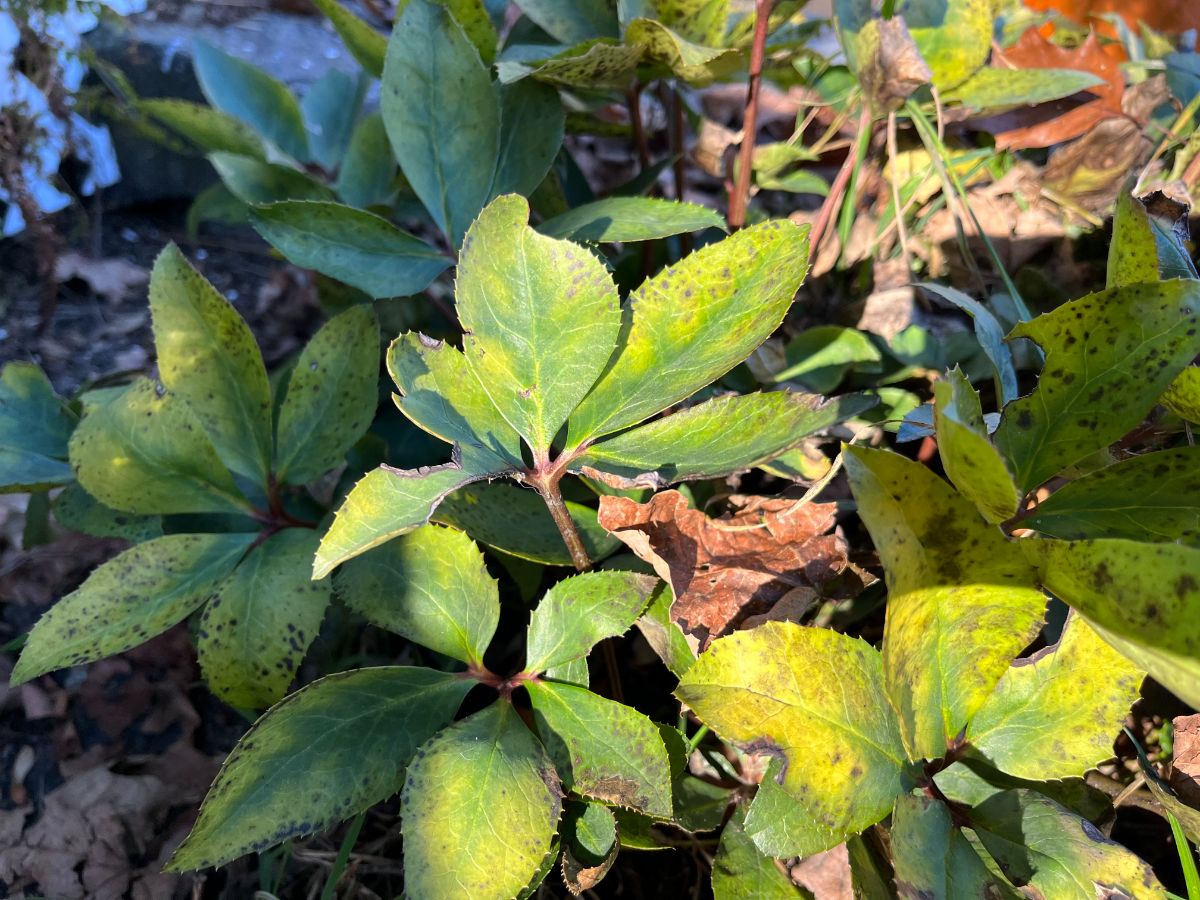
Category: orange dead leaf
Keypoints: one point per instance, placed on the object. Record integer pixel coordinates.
(1060, 120)
(728, 569)
(1170, 16)
(1184, 774)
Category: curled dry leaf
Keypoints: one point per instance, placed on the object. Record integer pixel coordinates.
(1171, 16)
(726, 570)
(1184, 774)
(892, 67)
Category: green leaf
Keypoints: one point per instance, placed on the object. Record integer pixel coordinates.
(590, 845)
(479, 810)
(35, 428)
(574, 672)
(207, 356)
(1133, 253)
(961, 597)
(1153, 497)
(1182, 396)
(995, 88)
(365, 44)
(702, 21)
(432, 587)
(515, 520)
(1141, 598)
(810, 698)
(695, 64)
(603, 750)
(252, 181)
(255, 630)
(77, 510)
(932, 858)
(330, 110)
(715, 438)
(693, 322)
(1109, 356)
(130, 599)
(665, 636)
(592, 66)
(368, 172)
(624, 219)
(246, 92)
(1046, 847)
(990, 335)
(205, 126)
(579, 612)
(328, 751)
(954, 38)
(389, 502)
(145, 452)
(541, 319)
(970, 781)
(741, 872)
(331, 396)
(1187, 816)
(531, 132)
(820, 357)
(970, 460)
(1056, 713)
(572, 21)
(441, 115)
(440, 394)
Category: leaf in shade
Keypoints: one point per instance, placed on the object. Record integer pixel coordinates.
(933, 860)
(368, 173)
(77, 510)
(990, 335)
(331, 107)
(725, 570)
(570, 23)
(35, 428)
(742, 872)
(253, 181)
(531, 132)
(366, 45)
(590, 845)
(625, 219)
(356, 247)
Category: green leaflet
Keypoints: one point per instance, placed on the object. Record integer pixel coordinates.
(358, 730)
(209, 358)
(1109, 356)
(245, 92)
(77, 510)
(961, 597)
(35, 427)
(1043, 845)
(1153, 497)
(205, 126)
(664, 635)
(129, 600)
(365, 44)
(954, 38)
(695, 64)
(692, 323)
(593, 65)
(541, 319)
(368, 171)
(432, 587)
(579, 612)
(741, 872)
(258, 625)
(630, 219)
(702, 21)
(252, 181)
(1142, 598)
(990, 335)
(356, 247)
(715, 438)
(810, 698)
(439, 394)
(995, 88)
(331, 108)
(932, 858)
(532, 121)
(1182, 395)
(971, 781)
(1133, 253)
(603, 750)
(820, 357)
(145, 452)
(479, 810)
(515, 520)
(331, 396)
(441, 115)
(970, 460)
(389, 502)
(590, 845)
(572, 22)
(1056, 714)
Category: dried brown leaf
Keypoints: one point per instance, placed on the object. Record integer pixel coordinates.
(111, 278)
(1184, 775)
(1171, 16)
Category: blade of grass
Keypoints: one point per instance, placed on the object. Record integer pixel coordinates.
(343, 857)
(1187, 859)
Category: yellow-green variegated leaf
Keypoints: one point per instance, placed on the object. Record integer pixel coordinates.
(715, 438)
(954, 38)
(541, 319)
(810, 698)
(702, 21)
(970, 460)
(389, 502)
(962, 600)
(594, 65)
(693, 322)
(479, 810)
(328, 751)
(1182, 395)
(431, 586)
(205, 126)
(1133, 252)
(258, 625)
(1055, 715)
(932, 859)
(130, 599)
(207, 355)
(145, 452)
(694, 63)
(1109, 357)
(1142, 598)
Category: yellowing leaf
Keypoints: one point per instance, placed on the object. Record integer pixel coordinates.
(1056, 714)
(695, 64)
(810, 698)
(961, 598)
(1182, 395)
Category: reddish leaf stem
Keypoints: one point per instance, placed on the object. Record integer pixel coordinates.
(546, 483)
(741, 192)
(838, 189)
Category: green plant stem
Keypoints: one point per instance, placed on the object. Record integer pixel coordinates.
(1191, 877)
(343, 857)
(696, 738)
(740, 200)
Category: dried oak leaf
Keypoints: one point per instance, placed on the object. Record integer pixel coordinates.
(726, 570)
(1184, 775)
(1052, 123)
(1171, 16)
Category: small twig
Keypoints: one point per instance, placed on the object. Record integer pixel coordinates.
(634, 99)
(838, 188)
(680, 166)
(741, 192)
(893, 156)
